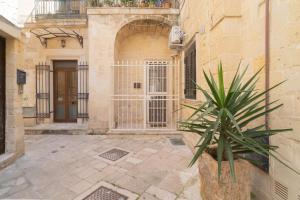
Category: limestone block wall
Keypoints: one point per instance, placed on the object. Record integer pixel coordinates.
(14, 118)
(285, 65)
(104, 25)
(14, 127)
(232, 30)
(35, 53)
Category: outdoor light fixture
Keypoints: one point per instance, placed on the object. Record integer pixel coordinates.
(63, 43)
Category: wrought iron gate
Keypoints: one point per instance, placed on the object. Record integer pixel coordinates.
(2, 95)
(145, 95)
(44, 87)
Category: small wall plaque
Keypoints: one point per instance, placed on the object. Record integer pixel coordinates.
(21, 77)
(137, 85)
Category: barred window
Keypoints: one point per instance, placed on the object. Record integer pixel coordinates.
(190, 72)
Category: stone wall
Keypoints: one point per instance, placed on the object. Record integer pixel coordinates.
(104, 25)
(34, 54)
(232, 30)
(14, 133)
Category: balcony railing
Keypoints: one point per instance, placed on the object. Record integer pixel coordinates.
(76, 9)
(59, 9)
(134, 3)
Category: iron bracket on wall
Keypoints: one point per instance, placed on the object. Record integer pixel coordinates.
(45, 34)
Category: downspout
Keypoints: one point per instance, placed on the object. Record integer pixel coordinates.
(266, 165)
(267, 61)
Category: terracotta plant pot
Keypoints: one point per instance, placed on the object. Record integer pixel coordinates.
(151, 5)
(226, 188)
(167, 5)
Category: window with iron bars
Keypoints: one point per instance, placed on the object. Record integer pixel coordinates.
(190, 72)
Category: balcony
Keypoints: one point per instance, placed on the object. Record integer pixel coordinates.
(77, 9)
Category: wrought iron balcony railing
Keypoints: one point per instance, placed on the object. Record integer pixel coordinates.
(59, 9)
(134, 3)
(75, 9)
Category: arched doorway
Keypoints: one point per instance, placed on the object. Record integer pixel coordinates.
(145, 78)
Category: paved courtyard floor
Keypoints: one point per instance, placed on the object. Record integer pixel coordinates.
(66, 166)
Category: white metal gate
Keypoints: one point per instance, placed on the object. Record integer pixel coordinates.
(145, 95)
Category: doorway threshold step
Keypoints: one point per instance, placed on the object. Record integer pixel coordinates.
(59, 129)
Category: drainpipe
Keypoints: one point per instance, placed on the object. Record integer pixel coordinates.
(267, 60)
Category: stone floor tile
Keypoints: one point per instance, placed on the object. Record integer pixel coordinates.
(146, 196)
(172, 183)
(133, 184)
(134, 161)
(95, 178)
(86, 173)
(160, 193)
(80, 187)
(53, 168)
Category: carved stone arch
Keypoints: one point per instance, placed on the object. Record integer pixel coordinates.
(158, 18)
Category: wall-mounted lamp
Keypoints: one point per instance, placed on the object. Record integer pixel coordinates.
(63, 43)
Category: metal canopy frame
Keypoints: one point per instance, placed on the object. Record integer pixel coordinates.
(45, 34)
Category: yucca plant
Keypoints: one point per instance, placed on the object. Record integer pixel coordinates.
(222, 120)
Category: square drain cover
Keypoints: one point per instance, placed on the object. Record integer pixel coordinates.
(177, 141)
(103, 193)
(114, 154)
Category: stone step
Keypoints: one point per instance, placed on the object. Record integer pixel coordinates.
(58, 132)
(59, 129)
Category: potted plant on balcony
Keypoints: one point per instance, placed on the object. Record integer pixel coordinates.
(128, 3)
(222, 122)
(92, 3)
(166, 4)
(108, 3)
(142, 3)
(152, 3)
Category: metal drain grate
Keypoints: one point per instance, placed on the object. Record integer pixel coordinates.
(177, 141)
(114, 154)
(103, 193)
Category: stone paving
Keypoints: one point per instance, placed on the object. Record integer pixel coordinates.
(65, 166)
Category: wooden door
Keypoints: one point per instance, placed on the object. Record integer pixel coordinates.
(65, 92)
(2, 95)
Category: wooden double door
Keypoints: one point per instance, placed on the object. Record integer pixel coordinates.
(2, 95)
(65, 91)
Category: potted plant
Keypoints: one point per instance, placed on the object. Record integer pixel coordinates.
(166, 4)
(142, 3)
(108, 3)
(127, 3)
(152, 3)
(222, 122)
(92, 3)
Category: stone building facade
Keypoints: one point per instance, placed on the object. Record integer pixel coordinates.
(12, 127)
(234, 30)
(110, 69)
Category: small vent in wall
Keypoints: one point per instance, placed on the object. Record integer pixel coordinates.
(281, 191)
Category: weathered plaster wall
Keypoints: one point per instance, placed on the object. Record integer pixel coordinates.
(232, 30)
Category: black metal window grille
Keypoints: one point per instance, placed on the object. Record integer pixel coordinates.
(190, 72)
(42, 91)
(83, 90)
